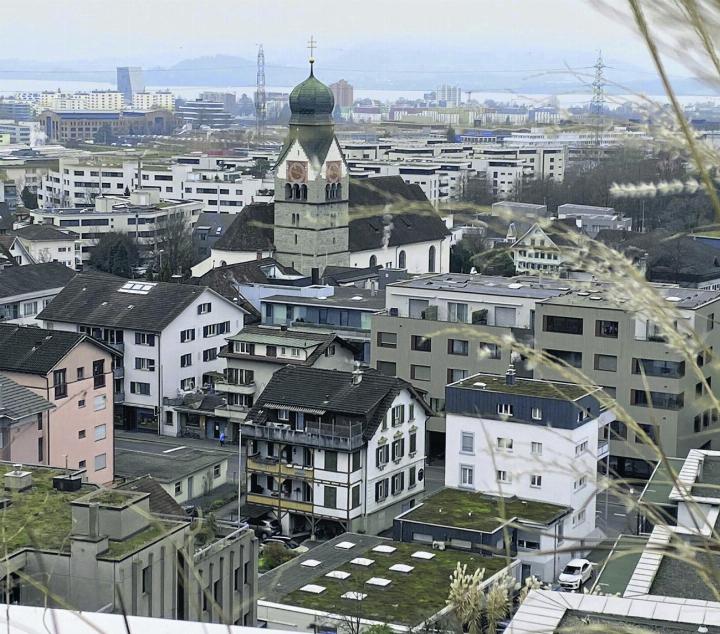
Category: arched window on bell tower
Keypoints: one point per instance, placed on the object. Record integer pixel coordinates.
(288, 191)
(339, 190)
(303, 192)
(327, 191)
(296, 191)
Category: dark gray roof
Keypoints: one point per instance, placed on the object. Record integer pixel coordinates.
(251, 229)
(37, 350)
(336, 275)
(213, 222)
(166, 467)
(95, 299)
(161, 502)
(18, 402)
(343, 297)
(333, 391)
(42, 232)
(20, 280)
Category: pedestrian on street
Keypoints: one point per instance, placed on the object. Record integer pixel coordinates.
(222, 438)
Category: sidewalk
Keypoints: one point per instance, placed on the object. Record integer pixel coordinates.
(144, 437)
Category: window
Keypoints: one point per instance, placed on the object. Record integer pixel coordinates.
(81, 434)
(466, 476)
(660, 400)
(402, 260)
(80, 374)
(565, 325)
(421, 344)
(398, 483)
(388, 368)
(536, 413)
(187, 384)
(606, 362)
(355, 496)
(212, 330)
(82, 464)
(139, 388)
(458, 346)
(243, 347)
(60, 383)
(606, 328)
(411, 411)
(330, 500)
(579, 518)
(580, 483)
(144, 339)
(581, 448)
(217, 470)
(100, 462)
(382, 456)
(536, 481)
(506, 444)
(412, 477)
(178, 488)
(569, 357)
(654, 367)
(420, 372)
(650, 430)
(381, 490)
(711, 321)
(205, 308)
(431, 259)
(526, 544)
(536, 448)
(398, 415)
(187, 335)
(30, 309)
(100, 432)
(145, 364)
(413, 443)
(355, 459)
(505, 409)
(398, 449)
(416, 308)
(502, 476)
(186, 360)
(467, 442)
(283, 414)
(100, 402)
(618, 430)
(490, 351)
(331, 461)
(210, 354)
(457, 313)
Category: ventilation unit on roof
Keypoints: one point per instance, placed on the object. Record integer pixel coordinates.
(672, 298)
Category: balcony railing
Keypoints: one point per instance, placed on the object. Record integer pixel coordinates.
(236, 388)
(603, 449)
(273, 466)
(275, 501)
(119, 372)
(340, 437)
(119, 397)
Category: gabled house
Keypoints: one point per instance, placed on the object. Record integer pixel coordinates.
(37, 243)
(541, 249)
(335, 451)
(26, 290)
(74, 373)
(170, 334)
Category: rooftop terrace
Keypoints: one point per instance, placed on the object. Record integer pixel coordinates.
(658, 488)
(526, 387)
(481, 512)
(615, 572)
(408, 599)
(708, 481)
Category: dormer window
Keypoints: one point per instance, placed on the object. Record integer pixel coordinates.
(505, 409)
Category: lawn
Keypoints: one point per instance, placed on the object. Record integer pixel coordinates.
(119, 550)
(477, 511)
(410, 598)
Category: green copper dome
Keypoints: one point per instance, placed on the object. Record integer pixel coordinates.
(311, 103)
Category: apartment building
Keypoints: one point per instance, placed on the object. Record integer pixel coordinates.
(74, 374)
(170, 335)
(161, 100)
(595, 332)
(335, 451)
(142, 214)
(82, 125)
(26, 290)
(105, 550)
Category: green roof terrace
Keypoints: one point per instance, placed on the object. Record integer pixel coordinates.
(526, 387)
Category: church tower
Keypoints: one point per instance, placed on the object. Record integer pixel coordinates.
(311, 184)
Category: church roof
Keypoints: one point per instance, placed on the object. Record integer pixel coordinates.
(311, 103)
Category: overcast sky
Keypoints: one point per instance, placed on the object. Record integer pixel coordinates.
(161, 32)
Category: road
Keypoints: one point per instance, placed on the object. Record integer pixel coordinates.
(620, 517)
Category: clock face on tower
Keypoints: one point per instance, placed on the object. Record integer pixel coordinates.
(297, 171)
(333, 171)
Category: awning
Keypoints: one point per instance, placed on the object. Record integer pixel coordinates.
(294, 408)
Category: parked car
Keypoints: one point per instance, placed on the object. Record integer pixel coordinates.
(263, 527)
(575, 574)
(287, 542)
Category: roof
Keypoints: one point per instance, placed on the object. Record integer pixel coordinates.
(410, 598)
(161, 502)
(538, 388)
(37, 350)
(337, 275)
(43, 233)
(481, 512)
(617, 569)
(95, 299)
(18, 402)
(212, 222)
(163, 467)
(251, 272)
(658, 488)
(342, 297)
(333, 391)
(33, 278)
(251, 230)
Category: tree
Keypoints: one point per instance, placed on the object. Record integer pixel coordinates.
(29, 199)
(260, 168)
(450, 135)
(115, 253)
(494, 262)
(104, 135)
(175, 240)
(127, 191)
(275, 555)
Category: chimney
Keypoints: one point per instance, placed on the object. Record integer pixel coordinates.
(357, 374)
(510, 375)
(258, 255)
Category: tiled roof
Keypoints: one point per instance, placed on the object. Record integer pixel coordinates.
(18, 402)
(252, 230)
(43, 232)
(95, 299)
(161, 502)
(21, 280)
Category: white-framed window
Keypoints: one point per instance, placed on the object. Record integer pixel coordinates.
(100, 402)
(536, 481)
(210, 354)
(382, 488)
(145, 364)
(382, 456)
(502, 476)
(186, 360)
(582, 415)
(137, 387)
(466, 476)
(536, 413)
(468, 442)
(205, 308)
(187, 335)
(144, 339)
(295, 352)
(536, 448)
(528, 544)
(398, 415)
(506, 444)
(178, 488)
(581, 448)
(580, 483)
(30, 309)
(283, 414)
(505, 409)
(100, 432)
(100, 462)
(188, 383)
(579, 518)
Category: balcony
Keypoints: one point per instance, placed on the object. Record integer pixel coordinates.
(233, 412)
(272, 466)
(320, 435)
(603, 449)
(236, 388)
(275, 501)
(119, 397)
(119, 372)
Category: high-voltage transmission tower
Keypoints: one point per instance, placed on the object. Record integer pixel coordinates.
(597, 105)
(260, 98)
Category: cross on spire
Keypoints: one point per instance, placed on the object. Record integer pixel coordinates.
(312, 45)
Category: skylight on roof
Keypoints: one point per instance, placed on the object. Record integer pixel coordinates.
(345, 545)
(355, 596)
(311, 563)
(362, 561)
(402, 568)
(338, 574)
(382, 548)
(137, 288)
(422, 554)
(313, 589)
(378, 581)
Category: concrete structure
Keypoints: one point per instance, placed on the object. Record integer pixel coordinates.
(161, 100)
(198, 114)
(343, 93)
(450, 95)
(170, 334)
(15, 110)
(338, 450)
(74, 374)
(130, 81)
(65, 126)
(591, 220)
(21, 132)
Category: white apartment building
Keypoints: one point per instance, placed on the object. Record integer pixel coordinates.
(153, 100)
(170, 335)
(142, 215)
(95, 100)
(537, 440)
